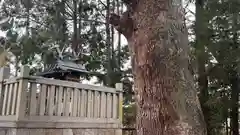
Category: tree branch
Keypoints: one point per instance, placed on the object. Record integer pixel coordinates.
(105, 6)
(123, 24)
(131, 4)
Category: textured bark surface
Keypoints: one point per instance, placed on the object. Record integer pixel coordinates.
(166, 98)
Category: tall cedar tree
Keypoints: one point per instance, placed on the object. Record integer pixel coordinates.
(234, 76)
(200, 29)
(167, 100)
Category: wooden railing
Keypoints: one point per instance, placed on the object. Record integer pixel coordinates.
(33, 101)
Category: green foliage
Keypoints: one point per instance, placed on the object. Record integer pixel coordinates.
(219, 27)
(129, 118)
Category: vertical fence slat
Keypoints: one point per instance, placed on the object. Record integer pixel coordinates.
(89, 104)
(47, 99)
(75, 102)
(5, 99)
(83, 103)
(109, 105)
(103, 105)
(51, 100)
(15, 91)
(120, 98)
(4, 74)
(60, 101)
(9, 102)
(79, 103)
(42, 99)
(67, 102)
(55, 101)
(64, 100)
(33, 99)
(38, 95)
(119, 88)
(71, 102)
(96, 104)
(2, 88)
(114, 106)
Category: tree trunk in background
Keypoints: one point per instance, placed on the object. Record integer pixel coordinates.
(234, 105)
(62, 24)
(119, 38)
(234, 78)
(166, 98)
(113, 6)
(75, 28)
(202, 61)
(108, 44)
(226, 126)
(80, 12)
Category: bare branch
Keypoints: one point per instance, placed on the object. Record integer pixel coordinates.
(190, 11)
(124, 24)
(88, 20)
(103, 4)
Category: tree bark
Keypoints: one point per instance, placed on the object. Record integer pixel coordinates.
(166, 97)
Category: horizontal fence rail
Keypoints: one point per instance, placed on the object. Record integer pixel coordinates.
(33, 98)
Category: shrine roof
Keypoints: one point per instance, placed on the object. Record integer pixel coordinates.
(64, 67)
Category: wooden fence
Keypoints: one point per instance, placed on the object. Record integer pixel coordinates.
(31, 101)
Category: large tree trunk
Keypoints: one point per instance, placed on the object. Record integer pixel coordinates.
(166, 97)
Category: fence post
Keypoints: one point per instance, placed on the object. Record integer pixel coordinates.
(4, 74)
(22, 90)
(119, 89)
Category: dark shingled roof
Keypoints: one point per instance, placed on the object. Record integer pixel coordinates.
(62, 67)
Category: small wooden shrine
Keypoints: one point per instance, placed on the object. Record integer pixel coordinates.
(65, 68)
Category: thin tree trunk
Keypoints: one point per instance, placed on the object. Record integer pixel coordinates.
(166, 98)
(112, 33)
(234, 79)
(227, 114)
(113, 58)
(226, 126)
(80, 6)
(119, 38)
(108, 43)
(62, 24)
(75, 29)
(234, 106)
(202, 61)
